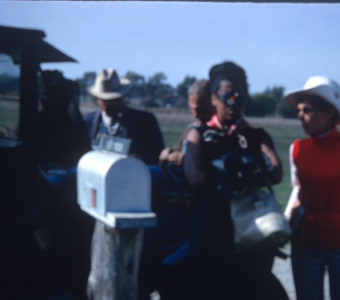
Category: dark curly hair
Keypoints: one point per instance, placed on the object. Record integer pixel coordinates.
(228, 71)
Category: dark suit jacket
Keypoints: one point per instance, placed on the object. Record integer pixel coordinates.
(142, 128)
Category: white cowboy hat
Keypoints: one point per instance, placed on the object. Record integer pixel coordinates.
(107, 85)
(320, 86)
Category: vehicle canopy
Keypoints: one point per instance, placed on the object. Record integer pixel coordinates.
(12, 37)
(22, 213)
(21, 52)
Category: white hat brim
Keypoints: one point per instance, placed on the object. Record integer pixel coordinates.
(292, 96)
(107, 95)
(321, 91)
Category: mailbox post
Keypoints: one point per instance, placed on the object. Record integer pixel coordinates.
(116, 190)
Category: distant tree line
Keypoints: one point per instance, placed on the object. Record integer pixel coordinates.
(8, 84)
(155, 91)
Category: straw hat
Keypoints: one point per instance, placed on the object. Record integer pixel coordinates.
(320, 86)
(107, 85)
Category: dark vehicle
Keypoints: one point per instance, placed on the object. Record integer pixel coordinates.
(32, 252)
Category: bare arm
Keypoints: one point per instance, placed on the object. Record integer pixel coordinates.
(175, 156)
(194, 173)
(268, 149)
(293, 201)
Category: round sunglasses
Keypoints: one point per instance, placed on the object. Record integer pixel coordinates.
(233, 98)
(305, 110)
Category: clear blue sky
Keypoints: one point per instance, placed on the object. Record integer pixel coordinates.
(277, 44)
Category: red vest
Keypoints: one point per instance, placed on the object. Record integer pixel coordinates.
(317, 160)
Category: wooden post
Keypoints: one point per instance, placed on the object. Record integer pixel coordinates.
(114, 263)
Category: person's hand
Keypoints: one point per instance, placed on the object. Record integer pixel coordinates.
(164, 154)
(171, 155)
(176, 157)
(297, 214)
(295, 211)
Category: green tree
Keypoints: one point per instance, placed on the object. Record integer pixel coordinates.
(182, 91)
(83, 83)
(276, 92)
(8, 83)
(183, 87)
(161, 92)
(137, 88)
(148, 101)
(270, 102)
(155, 84)
(285, 110)
(261, 104)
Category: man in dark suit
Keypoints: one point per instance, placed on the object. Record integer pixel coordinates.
(116, 119)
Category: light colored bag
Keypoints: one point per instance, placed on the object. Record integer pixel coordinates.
(258, 221)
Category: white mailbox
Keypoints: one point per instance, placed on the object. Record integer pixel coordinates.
(115, 189)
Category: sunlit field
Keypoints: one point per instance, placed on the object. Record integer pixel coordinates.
(282, 131)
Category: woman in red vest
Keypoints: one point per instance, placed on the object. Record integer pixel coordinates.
(315, 176)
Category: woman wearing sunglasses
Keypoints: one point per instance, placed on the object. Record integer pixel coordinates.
(220, 271)
(315, 176)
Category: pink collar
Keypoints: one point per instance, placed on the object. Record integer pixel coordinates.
(215, 123)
